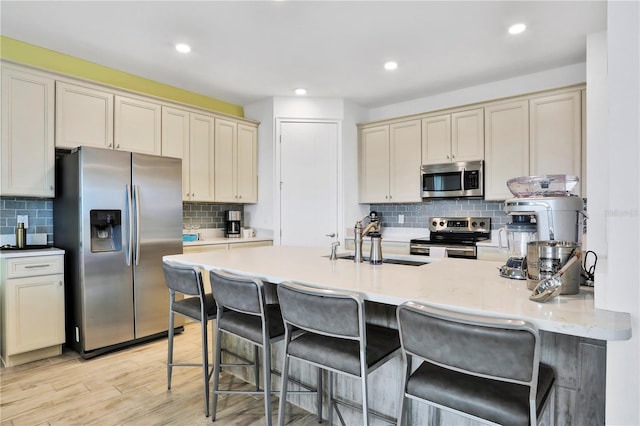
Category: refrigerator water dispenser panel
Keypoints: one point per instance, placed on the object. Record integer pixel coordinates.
(106, 230)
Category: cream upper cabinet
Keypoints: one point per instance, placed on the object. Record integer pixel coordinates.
(467, 135)
(247, 163)
(506, 146)
(235, 162)
(137, 126)
(201, 157)
(436, 139)
(374, 164)
(175, 142)
(453, 137)
(84, 116)
(555, 134)
(28, 150)
(390, 163)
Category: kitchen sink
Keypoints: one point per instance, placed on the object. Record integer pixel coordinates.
(405, 262)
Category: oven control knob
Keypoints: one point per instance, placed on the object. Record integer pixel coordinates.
(482, 224)
(474, 224)
(441, 223)
(434, 223)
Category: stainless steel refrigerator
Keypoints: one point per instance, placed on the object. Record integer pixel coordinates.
(116, 214)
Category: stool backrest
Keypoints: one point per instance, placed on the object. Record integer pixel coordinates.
(238, 293)
(322, 311)
(498, 348)
(183, 279)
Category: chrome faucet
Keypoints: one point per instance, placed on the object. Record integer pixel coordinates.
(334, 247)
(359, 233)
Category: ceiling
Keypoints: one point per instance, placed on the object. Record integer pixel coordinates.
(245, 51)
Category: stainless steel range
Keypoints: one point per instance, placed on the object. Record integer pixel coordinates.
(453, 236)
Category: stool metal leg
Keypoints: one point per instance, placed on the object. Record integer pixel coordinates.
(285, 381)
(330, 397)
(266, 368)
(256, 366)
(216, 372)
(170, 349)
(205, 364)
(319, 396)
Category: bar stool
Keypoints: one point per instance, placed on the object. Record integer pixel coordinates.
(481, 367)
(336, 338)
(200, 307)
(243, 312)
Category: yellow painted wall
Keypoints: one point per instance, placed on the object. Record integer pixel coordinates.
(29, 54)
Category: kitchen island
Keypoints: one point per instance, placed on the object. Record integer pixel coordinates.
(573, 332)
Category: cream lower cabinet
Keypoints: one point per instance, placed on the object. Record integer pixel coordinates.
(458, 136)
(389, 163)
(27, 141)
(506, 146)
(236, 163)
(33, 315)
(84, 116)
(137, 125)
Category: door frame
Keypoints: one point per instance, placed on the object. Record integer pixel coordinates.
(277, 208)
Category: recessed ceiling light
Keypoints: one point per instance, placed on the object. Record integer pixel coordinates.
(301, 91)
(183, 48)
(391, 65)
(517, 28)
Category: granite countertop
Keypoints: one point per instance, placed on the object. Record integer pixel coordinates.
(471, 286)
(224, 240)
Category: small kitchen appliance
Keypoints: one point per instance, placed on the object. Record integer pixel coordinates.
(454, 236)
(453, 180)
(558, 214)
(232, 224)
(546, 258)
(518, 234)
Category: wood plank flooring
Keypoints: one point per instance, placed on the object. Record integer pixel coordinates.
(128, 387)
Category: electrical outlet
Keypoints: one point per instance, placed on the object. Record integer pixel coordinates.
(24, 219)
(400, 218)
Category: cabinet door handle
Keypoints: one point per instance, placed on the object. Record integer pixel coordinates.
(110, 145)
(37, 266)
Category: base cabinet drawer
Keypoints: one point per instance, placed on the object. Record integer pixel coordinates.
(35, 266)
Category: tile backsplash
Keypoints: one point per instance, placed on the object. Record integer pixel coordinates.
(417, 215)
(207, 215)
(40, 212)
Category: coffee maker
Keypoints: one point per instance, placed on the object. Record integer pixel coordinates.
(556, 218)
(232, 227)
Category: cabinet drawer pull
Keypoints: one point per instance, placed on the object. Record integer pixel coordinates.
(36, 266)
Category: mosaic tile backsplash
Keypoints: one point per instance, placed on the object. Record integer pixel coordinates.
(40, 212)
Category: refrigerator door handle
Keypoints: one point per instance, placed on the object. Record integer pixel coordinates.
(136, 196)
(130, 218)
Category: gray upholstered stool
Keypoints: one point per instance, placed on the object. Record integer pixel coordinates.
(482, 367)
(243, 312)
(336, 338)
(199, 307)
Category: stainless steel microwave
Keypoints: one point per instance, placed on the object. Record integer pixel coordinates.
(453, 180)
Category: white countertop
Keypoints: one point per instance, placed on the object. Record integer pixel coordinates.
(472, 286)
(224, 240)
(8, 254)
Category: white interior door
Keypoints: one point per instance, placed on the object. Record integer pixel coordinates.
(308, 183)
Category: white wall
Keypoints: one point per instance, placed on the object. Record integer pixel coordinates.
(260, 216)
(263, 215)
(618, 283)
(558, 77)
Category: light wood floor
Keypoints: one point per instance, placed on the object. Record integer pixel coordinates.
(128, 387)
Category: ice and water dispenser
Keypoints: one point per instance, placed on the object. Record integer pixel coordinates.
(106, 230)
